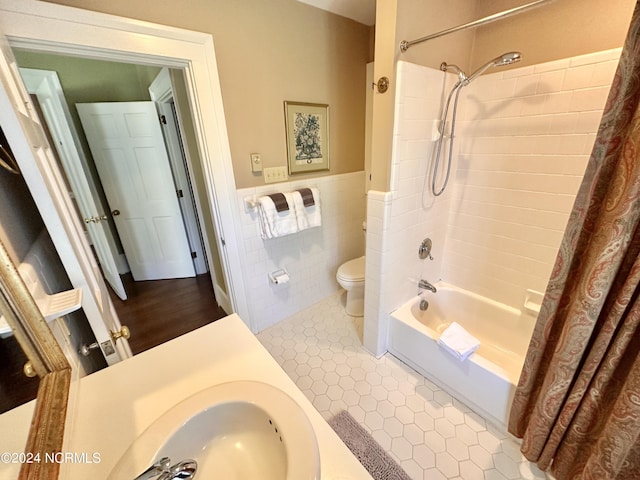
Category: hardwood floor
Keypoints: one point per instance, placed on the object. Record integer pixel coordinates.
(160, 310)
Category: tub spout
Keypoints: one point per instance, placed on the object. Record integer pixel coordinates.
(426, 286)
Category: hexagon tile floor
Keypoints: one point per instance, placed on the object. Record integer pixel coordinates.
(431, 434)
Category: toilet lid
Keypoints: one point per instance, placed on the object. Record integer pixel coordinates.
(353, 270)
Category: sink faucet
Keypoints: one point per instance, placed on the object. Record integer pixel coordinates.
(162, 470)
(426, 286)
(161, 467)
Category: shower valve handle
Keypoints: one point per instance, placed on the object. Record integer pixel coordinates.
(424, 251)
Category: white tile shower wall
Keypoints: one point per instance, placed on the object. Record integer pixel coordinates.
(525, 136)
(375, 293)
(399, 220)
(415, 212)
(523, 140)
(311, 257)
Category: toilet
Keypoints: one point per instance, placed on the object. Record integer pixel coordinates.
(350, 276)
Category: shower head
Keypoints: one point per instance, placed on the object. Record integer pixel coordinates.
(506, 59)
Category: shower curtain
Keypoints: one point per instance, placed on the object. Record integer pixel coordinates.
(577, 405)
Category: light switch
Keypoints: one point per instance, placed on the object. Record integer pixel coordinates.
(275, 174)
(256, 162)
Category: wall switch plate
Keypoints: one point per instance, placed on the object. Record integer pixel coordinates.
(256, 162)
(275, 174)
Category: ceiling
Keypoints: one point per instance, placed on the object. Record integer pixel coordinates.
(363, 11)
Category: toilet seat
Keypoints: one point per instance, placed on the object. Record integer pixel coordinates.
(352, 271)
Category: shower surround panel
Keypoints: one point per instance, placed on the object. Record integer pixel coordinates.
(524, 137)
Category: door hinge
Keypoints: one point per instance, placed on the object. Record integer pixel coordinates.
(194, 255)
(223, 242)
(163, 119)
(179, 193)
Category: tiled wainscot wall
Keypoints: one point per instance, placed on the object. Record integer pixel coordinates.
(311, 257)
(523, 138)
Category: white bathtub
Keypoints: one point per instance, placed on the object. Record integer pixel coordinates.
(486, 381)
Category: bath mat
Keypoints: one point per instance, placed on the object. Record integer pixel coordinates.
(371, 455)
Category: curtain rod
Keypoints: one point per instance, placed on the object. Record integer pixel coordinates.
(404, 45)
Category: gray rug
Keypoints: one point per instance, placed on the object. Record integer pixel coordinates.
(371, 455)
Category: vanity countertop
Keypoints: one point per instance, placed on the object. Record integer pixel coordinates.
(115, 405)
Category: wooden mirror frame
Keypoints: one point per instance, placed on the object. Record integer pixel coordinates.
(47, 360)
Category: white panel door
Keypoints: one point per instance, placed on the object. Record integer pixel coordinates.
(46, 86)
(128, 148)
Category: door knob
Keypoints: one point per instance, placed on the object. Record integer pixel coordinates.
(124, 332)
(115, 213)
(85, 349)
(97, 219)
(28, 369)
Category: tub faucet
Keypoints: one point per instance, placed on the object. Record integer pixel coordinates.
(426, 286)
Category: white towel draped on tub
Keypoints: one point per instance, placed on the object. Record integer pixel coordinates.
(307, 217)
(273, 223)
(457, 341)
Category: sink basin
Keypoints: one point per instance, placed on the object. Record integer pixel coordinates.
(238, 430)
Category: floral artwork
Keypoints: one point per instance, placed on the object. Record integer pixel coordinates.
(307, 134)
(307, 126)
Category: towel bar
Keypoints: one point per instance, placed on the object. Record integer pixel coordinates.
(250, 203)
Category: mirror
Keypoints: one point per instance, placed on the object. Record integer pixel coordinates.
(42, 354)
(46, 360)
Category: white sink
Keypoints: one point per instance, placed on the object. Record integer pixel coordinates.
(239, 430)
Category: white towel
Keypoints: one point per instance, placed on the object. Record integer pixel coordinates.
(307, 217)
(273, 223)
(457, 341)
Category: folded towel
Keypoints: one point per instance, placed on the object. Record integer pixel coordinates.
(307, 197)
(298, 207)
(457, 341)
(307, 217)
(280, 202)
(273, 223)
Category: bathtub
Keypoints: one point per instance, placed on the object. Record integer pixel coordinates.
(486, 381)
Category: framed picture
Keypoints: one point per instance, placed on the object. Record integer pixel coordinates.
(307, 126)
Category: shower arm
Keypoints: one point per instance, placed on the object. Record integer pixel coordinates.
(404, 45)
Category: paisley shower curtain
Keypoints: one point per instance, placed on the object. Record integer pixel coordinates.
(577, 405)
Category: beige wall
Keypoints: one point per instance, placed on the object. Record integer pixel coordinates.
(268, 52)
(399, 20)
(418, 18)
(560, 29)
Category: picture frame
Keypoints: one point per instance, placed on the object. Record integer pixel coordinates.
(307, 128)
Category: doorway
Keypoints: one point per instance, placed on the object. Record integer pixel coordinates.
(122, 85)
(63, 30)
